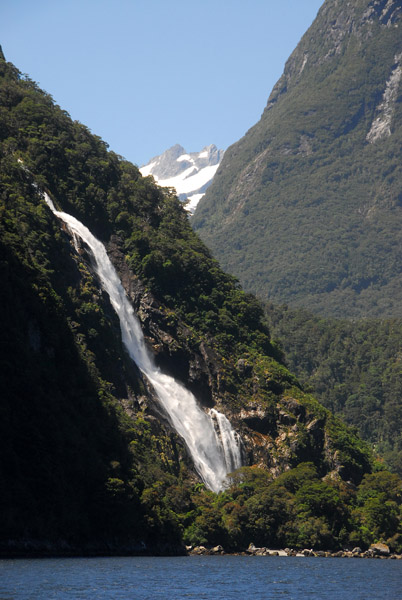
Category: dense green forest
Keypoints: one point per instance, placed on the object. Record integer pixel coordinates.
(306, 209)
(87, 461)
(353, 368)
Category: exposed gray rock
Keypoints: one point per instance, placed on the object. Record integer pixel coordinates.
(200, 550)
(244, 368)
(381, 126)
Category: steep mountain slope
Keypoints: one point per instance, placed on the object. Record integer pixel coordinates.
(190, 174)
(307, 208)
(89, 459)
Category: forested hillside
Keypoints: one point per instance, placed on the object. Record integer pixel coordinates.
(306, 208)
(89, 461)
(353, 368)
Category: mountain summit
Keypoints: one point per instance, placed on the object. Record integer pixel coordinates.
(307, 207)
(190, 174)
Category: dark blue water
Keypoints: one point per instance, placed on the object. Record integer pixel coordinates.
(200, 578)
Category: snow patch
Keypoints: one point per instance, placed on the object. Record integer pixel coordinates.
(178, 179)
(192, 202)
(147, 170)
(190, 180)
(184, 157)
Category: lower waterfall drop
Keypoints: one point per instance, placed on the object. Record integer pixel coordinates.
(215, 451)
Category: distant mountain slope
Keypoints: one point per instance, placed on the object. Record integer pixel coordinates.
(190, 174)
(307, 207)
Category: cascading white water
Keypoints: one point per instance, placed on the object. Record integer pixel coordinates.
(215, 451)
(230, 440)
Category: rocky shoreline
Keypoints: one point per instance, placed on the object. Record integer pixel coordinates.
(376, 551)
(42, 549)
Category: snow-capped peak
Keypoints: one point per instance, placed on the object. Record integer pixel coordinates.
(189, 173)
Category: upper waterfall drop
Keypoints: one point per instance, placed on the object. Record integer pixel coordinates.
(215, 450)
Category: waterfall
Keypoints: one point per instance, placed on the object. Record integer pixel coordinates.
(230, 440)
(215, 450)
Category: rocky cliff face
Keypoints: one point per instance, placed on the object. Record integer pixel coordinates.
(304, 207)
(279, 426)
(338, 25)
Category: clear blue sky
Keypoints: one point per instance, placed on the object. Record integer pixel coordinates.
(147, 74)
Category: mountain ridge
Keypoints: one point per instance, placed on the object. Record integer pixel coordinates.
(304, 209)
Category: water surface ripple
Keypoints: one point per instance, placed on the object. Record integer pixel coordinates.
(200, 578)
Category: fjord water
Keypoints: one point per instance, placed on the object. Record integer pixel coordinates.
(200, 578)
(211, 441)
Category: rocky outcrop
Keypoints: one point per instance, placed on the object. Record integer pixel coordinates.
(381, 126)
(379, 549)
(196, 365)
